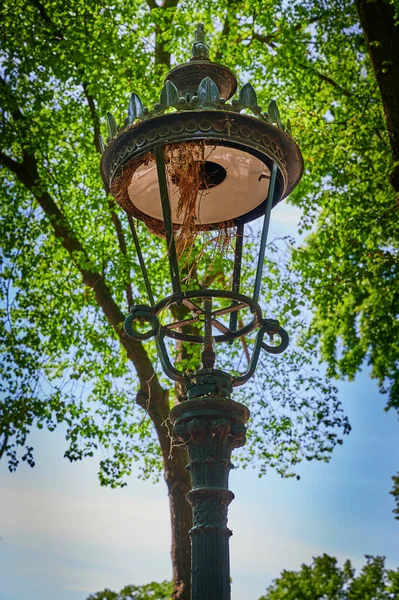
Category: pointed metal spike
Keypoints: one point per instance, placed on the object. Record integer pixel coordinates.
(208, 90)
(169, 95)
(288, 127)
(135, 109)
(101, 143)
(247, 97)
(111, 124)
(274, 113)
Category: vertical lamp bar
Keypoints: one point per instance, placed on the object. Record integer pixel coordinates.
(167, 219)
(141, 260)
(265, 230)
(237, 273)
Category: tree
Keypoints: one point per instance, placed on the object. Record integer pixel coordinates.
(325, 580)
(69, 272)
(150, 591)
(349, 263)
(338, 63)
(395, 494)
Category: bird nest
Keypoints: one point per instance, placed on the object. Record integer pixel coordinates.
(184, 167)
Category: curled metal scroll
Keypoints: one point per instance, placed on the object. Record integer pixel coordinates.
(141, 313)
(271, 328)
(145, 314)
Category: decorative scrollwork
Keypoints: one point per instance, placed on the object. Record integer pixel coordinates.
(275, 329)
(141, 313)
(207, 96)
(192, 300)
(272, 328)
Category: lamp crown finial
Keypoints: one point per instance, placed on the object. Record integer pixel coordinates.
(200, 49)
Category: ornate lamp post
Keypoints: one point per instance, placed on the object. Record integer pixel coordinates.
(195, 163)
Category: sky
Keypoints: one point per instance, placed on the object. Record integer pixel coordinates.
(64, 537)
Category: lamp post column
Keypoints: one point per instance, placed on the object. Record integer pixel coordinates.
(211, 426)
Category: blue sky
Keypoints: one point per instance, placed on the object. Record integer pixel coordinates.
(64, 537)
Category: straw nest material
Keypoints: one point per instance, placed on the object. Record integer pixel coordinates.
(183, 162)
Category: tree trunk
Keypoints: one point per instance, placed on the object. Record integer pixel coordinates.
(157, 406)
(178, 481)
(179, 484)
(377, 18)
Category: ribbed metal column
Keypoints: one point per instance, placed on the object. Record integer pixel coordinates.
(211, 427)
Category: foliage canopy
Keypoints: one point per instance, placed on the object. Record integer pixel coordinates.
(150, 591)
(68, 269)
(325, 580)
(61, 71)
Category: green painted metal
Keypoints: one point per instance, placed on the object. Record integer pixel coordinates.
(270, 327)
(203, 381)
(196, 97)
(141, 260)
(253, 136)
(208, 353)
(198, 101)
(210, 427)
(111, 125)
(167, 219)
(200, 49)
(143, 313)
(187, 298)
(265, 230)
(206, 382)
(237, 272)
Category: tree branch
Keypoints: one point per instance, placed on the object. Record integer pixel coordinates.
(170, 3)
(329, 80)
(27, 174)
(48, 21)
(13, 107)
(111, 204)
(266, 39)
(94, 116)
(225, 30)
(269, 41)
(97, 130)
(4, 445)
(11, 164)
(162, 56)
(381, 32)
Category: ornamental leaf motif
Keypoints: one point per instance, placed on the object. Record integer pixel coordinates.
(208, 90)
(247, 97)
(135, 109)
(169, 95)
(275, 113)
(111, 124)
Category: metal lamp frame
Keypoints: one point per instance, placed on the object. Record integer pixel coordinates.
(276, 149)
(208, 423)
(239, 301)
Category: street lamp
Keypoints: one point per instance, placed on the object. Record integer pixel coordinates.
(196, 163)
